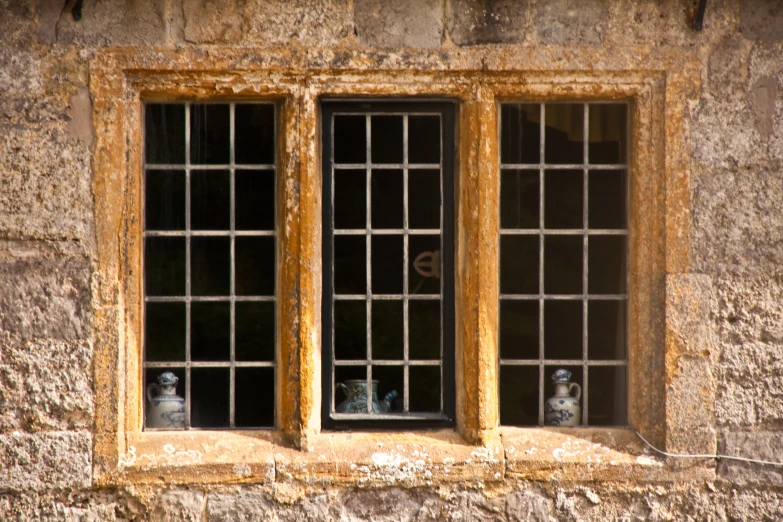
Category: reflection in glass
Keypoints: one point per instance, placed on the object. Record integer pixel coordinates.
(563, 139)
(164, 133)
(210, 136)
(424, 270)
(608, 123)
(520, 133)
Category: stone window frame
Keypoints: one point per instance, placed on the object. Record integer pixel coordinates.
(477, 450)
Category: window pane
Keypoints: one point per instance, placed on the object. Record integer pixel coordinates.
(255, 265)
(390, 378)
(255, 331)
(209, 396)
(424, 382)
(255, 397)
(563, 329)
(608, 197)
(606, 261)
(350, 273)
(387, 330)
(563, 199)
(164, 332)
(564, 131)
(520, 133)
(210, 265)
(519, 264)
(424, 201)
(387, 198)
(563, 264)
(424, 265)
(255, 134)
(386, 140)
(424, 139)
(576, 377)
(350, 199)
(350, 330)
(210, 137)
(425, 329)
(519, 199)
(518, 329)
(608, 123)
(606, 330)
(164, 266)
(210, 331)
(608, 396)
(387, 264)
(519, 395)
(254, 199)
(350, 139)
(164, 133)
(210, 200)
(164, 200)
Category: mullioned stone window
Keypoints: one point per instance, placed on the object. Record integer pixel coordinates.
(293, 182)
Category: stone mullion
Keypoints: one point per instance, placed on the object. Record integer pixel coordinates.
(476, 274)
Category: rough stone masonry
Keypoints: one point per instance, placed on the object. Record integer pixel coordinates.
(733, 283)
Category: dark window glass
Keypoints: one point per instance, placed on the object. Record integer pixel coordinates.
(164, 203)
(164, 266)
(210, 327)
(255, 391)
(519, 203)
(255, 331)
(164, 137)
(210, 134)
(254, 134)
(424, 139)
(520, 134)
(210, 200)
(164, 332)
(519, 329)
(209, 395)
(255, 199)
(386, 143)
(563, 138)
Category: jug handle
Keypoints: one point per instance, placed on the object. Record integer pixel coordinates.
(344, 388)
(578, 390)
(150, 387)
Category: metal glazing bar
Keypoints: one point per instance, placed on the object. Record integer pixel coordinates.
(387, 232)
(210, 364)
(405, 275)
(585, 225)
(389, 416)
(386, 362)
(209, 298)
(567, 362)
(187, 266)
(232, 273)
(208, 233)
(565, 297)
(387, 166)
(561, 166)
(541, 180)
(211, 166)
(563, 232)
(331, 268)
(368, 259)
(387, 297)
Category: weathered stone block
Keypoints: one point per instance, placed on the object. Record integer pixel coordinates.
(317, 23)
(762, 445)
(17, 25)
(247, 505)
(529, 504)
(385, 505)
(416, 23)
(20, 72)
(737, 216)
(750, 393)
(749, 308)
(45, 298)
(569, 21)
(45, 187)
(35, 507)
(761, 19)
(43, 461)
(213, 21)
(114, 22)
(45, 385)
(474, 22)
(689, 302)
(186, 505)
(690, 395)
(728, 71)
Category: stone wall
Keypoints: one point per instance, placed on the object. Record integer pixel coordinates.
(48, 245)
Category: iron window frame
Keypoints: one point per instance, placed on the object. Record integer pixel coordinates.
(449, 109)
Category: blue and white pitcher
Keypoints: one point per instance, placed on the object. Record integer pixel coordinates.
(165, 409)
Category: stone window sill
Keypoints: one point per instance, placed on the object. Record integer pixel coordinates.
(403, 459)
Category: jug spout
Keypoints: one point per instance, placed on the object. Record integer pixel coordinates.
(389, 399)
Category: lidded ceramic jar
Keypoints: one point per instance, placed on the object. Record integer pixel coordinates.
(562, 409)
(165, 409)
